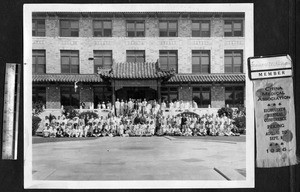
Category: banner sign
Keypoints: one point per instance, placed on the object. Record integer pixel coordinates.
(270, 67)
(274, 112)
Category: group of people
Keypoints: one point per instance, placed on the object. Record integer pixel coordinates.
(123, 107)
(145, 119)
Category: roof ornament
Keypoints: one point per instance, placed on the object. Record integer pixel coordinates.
(75, 86)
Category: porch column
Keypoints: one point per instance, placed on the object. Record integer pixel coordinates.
(158, 91)
(113, 91)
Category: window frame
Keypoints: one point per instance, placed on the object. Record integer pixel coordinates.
(70, 64)
(135, 56)
(70, 93)
(201, 52)
(102, 29)
(103, 90)
(234, 90)
(35, 60)
(200, 28)
(135, 28)
(232, 27)
(168, 53)
(168, 28)
(69, 28)
(101, 56)
(233, 65)
(199, 92)
(36, 31)
(36, 93)
(169, 92)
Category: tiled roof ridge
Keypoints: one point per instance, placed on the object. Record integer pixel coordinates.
(136, 70)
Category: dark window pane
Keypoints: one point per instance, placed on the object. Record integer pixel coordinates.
(163, 25)
(107, 32)
(74, 24)
(172, 25)
(107, 24)
(130, 59)
(163, 33)
(65, 24)
(140, 34)
(140, 59)
(40, 69)
(195, 26)
(172, 34)
(65, 33)
(65, 68)
(98, 33)
(74, 33)
(97, 24)
(196, 68)
(65, 61)
(130, 34)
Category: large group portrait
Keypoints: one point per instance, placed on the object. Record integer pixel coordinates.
(138, 96)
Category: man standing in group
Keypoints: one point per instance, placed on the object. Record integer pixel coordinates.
(117, 106)
(130, 105)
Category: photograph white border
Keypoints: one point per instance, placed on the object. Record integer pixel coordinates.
(247, 8)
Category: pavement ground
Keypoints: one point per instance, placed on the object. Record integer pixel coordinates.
(140, 158)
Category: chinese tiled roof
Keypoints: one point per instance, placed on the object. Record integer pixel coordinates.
(128, 70)
(217, 77)
(66, 78)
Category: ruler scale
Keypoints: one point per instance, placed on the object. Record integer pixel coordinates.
(11, 111)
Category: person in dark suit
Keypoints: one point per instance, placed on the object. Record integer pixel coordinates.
(183, 123)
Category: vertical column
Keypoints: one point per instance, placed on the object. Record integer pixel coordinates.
(158, 91)
(113, 91)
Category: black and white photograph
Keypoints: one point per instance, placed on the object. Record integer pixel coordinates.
(138, 96)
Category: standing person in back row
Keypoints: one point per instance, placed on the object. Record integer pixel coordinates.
(117, 106)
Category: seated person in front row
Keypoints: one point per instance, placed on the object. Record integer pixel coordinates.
(46, 131)
(97, 132)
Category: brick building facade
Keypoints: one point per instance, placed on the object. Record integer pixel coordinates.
(201, 57)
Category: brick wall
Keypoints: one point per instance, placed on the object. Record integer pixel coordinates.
(119, 43)
(184, 28)
(217, 96)
(85, 27)
(53, 97)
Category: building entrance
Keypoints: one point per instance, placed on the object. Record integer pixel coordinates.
(136, 93)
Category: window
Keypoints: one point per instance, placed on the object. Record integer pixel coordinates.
(135, 56)
(102, 59)
(233, 61)
(200, 28)
(168, 60)
(69, 61)
(233, 28)
(201, 61)
(69, 28)
(102, 28)
(234, 96)
(169, 94)
(38, 61)
(69, 97)
(201, 95)
(135, 28)
(38, 27)
(102, 94)
(168, 28)
(39, 95)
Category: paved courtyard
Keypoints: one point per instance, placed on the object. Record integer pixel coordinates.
(141, 158)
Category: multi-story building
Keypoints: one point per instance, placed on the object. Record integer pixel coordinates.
(154, 55)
